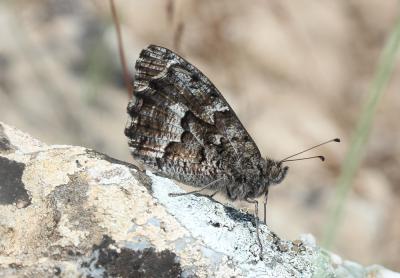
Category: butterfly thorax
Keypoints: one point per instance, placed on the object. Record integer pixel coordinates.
(251, 177)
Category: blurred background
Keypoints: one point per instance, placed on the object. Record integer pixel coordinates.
(296, 72)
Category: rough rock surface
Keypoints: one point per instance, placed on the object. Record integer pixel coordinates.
(69, 211)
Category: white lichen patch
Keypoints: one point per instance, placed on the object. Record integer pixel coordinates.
(122, 202)
(226, 237)
(104, 173)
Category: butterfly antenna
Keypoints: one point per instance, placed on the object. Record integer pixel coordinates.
(304, 158)
(316, 146)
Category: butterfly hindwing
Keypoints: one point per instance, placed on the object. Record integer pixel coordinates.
(180, 124)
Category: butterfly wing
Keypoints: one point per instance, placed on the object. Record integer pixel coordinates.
(180, 125)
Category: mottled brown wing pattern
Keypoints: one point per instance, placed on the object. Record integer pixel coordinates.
(180, 124)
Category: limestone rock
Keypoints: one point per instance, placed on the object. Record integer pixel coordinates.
(69, 211)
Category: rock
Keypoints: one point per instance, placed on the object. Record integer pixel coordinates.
(69, 211)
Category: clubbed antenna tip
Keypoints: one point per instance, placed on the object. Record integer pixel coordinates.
(320, 157)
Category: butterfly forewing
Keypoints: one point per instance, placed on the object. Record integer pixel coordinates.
(180, 125)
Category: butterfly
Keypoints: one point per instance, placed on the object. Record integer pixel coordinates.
(182, 127)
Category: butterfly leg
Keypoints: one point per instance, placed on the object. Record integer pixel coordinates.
(205, 195)
(194, 191)
(265, 213)
(212, 195)
(255, 202)
(265, 208)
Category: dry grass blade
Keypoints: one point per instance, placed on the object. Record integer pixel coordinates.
(128, 84)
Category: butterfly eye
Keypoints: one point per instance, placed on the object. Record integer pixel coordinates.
(276, 172)
(195, 77)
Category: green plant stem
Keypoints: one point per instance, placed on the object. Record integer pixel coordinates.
(354, 155)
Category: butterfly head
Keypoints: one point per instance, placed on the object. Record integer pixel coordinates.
(275, 171)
